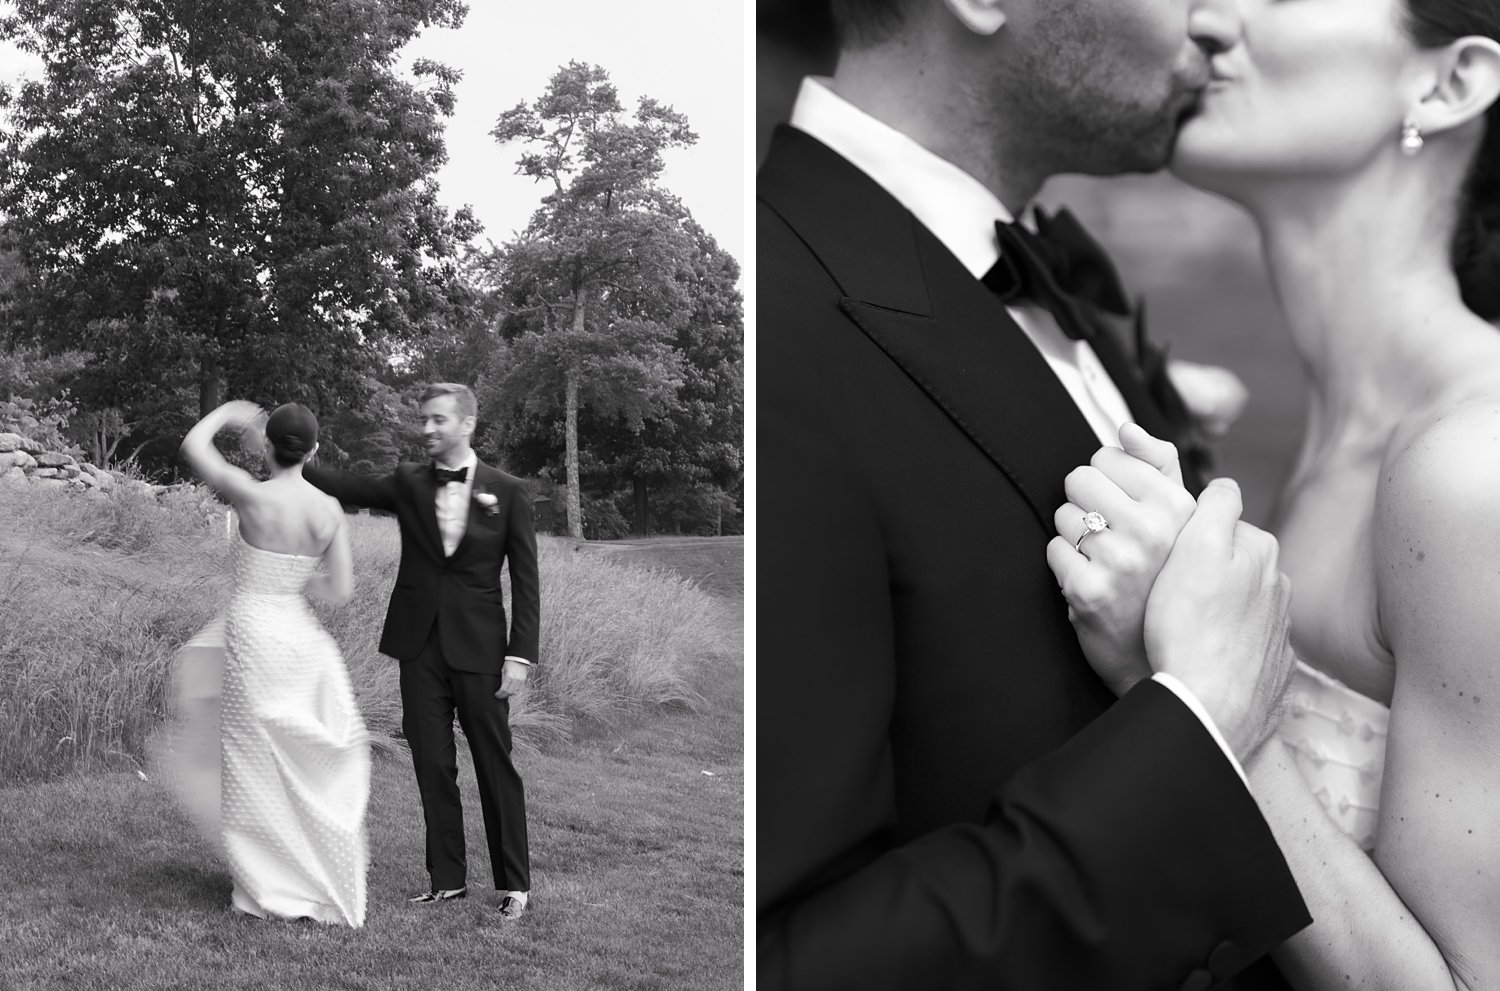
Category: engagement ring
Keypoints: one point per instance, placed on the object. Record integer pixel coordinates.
(1092, 523)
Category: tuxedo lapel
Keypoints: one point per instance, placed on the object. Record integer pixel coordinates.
(425, 492)
(1111, 354)
(975, 363)
(482, 476)
(920, 306)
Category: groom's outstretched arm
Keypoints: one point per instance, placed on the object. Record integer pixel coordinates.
(355, 490)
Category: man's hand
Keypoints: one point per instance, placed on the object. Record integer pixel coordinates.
(1106, 579)
(1217, 619)
(513, 675)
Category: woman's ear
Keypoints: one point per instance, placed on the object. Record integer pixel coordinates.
(979, 16)
(1466, 82)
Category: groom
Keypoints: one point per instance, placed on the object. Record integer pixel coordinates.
(947, 797)
(461, 520)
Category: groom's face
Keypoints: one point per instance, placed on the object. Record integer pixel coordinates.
(444, 428)
(1112, 80)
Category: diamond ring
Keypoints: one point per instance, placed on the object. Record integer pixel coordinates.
(1092, 523)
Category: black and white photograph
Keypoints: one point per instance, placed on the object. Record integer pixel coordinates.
(372, 495)
(1126, 441)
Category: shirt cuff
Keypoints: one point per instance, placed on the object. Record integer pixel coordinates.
(510, 657)
(1191, 701)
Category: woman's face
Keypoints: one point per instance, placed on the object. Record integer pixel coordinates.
(1314, 88)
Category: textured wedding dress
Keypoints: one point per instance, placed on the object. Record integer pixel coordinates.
(1337, 737)
(266, 748)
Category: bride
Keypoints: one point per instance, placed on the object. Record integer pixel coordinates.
(282, 790)
(1363, 137)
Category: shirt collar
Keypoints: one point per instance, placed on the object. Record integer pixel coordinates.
(956, 207)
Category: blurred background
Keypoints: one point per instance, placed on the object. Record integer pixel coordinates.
(1195, 259)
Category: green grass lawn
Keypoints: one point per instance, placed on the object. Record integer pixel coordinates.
(636, 839)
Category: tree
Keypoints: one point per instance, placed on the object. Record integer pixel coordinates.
(587, 282)
(699, 440)
(211, 196)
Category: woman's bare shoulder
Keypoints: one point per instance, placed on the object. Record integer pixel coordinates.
(1446, 461)
(1437, 513)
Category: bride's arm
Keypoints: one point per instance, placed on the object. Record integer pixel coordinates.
(198, 450)
(335, 583)
(1427, 916)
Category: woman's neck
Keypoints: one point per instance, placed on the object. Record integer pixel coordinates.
(1373, 307)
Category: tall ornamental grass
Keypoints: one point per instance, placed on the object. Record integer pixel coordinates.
(97, 593)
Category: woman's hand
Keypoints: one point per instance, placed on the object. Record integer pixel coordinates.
(1107, 575)
(199, 451)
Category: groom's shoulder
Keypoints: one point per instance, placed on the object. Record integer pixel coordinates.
(502, 478)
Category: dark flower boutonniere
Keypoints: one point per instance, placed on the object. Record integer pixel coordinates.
(487, 501)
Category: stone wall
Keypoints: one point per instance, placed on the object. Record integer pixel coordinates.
(25, 462)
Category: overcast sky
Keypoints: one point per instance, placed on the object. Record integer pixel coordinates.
(685, 53)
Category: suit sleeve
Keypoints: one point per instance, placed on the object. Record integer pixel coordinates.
(1132, 857)
(355, 490)
(525, 586)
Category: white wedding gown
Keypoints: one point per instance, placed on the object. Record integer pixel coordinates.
(266, 748)
(1338, 738)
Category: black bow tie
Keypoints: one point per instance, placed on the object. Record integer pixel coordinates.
(444, 476)
(1060, 267)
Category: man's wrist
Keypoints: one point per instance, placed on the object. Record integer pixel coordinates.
(520, 660)
(1183, 692)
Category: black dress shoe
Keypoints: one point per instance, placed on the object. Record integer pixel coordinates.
(439, 895)
(512, 908)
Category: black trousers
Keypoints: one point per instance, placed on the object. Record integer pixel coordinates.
(431, 692)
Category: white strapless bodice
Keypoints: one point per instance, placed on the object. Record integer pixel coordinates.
(271, 573)
(1337, 737)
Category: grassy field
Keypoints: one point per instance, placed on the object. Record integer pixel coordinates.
(714, 564)
(100, 593)
(636, 819)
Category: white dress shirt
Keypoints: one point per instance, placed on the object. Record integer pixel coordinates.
(960, 211)
(453, 512)
(453, 504)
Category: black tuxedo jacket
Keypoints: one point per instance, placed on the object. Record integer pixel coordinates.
(460, 594)
(947, 796)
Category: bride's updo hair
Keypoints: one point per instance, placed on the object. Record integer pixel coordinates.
(292, 431)
(1476, 243)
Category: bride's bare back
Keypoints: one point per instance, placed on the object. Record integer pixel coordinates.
(284, 515)
(288, 516)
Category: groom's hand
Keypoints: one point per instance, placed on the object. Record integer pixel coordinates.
(1107, 577)
(512, 679)
(1217, 619)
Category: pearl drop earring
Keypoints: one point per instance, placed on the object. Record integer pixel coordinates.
(1411, 137)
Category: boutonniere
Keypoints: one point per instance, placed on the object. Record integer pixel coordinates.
(488, 501)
